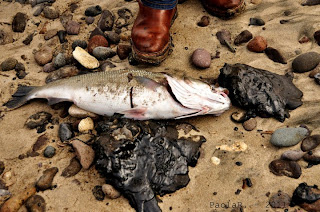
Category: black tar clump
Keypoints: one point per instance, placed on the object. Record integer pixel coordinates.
(305, 194)
(142, 159)
(259, 91)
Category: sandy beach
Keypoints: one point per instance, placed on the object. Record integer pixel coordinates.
(211, 187)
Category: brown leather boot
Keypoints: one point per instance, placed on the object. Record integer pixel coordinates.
(224, 8)
(150, 34)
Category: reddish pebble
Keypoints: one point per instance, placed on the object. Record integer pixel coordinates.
(257, 44)
(304, 39)
(95, 41)
(201, 58)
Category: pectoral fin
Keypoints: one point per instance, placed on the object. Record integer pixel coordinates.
(135, 113)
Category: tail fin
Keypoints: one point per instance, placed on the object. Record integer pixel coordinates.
(20, 97)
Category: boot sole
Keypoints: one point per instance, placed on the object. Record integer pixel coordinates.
(154, 58)
(225, 14)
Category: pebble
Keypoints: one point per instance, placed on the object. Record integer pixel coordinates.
(28, 39)
(17, 200)
(250, 124)
(41, 141)
(96, 31)
(215, 160)
(95, 41)
(93, 11)
(305, 62)
(9, 64)
(62, 36)
(65, 132)
(50, 12)
(64, 72)
(59, 61)
(243, 37)
(238, 146)
(257, 44)
(72, 27)
(256, 22)
(290, 136)
(316, 36)
(43, 56)
(45, 181)
(205, 21)
(102, 53)
(19, 22)
(49, 152)
(123, 51)
(38, 9)
(106, 21)
(125, 36)
(20, 70)
(201, 58)
(275, 55)
(1, 167)
(72, 169)
(238, 117)
(81, 43)
(86, 125)
(110, 191)
(112, 37)
(36, 203)
(98, 193)
(280, 200)
(85, 59)
(310, 143)
(315, 71)
(38, 119)
(317, 78)
(47, 68)
(84, 153)
(77, 112)
(285, 167)
(293, 155)
(89, 20)
(313, 156)
(65, 18)
(5, 36)
(4, 195)
(224, 36)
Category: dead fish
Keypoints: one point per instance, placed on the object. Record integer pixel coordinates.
(136, 94)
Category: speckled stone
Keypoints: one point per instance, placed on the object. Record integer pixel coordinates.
(285, 137)
(305, 62)
(49, 152)
(201, 58)
(8, 64)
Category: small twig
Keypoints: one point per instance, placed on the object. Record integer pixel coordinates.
(229, 46)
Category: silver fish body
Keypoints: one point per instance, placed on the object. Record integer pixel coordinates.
(136, 94)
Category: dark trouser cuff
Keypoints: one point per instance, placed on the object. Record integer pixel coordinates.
(160, 4)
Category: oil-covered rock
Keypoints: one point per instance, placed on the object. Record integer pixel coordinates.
(144, 159)
(259, 91)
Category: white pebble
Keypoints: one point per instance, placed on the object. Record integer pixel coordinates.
(77, 112)
(85, 59)
(215, 160)
(86, 125)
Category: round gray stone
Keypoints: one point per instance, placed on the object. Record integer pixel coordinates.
(49, 152)
(305, 62)
(285, 137)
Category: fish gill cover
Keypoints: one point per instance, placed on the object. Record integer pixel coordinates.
(143, 159)
(259, 91)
